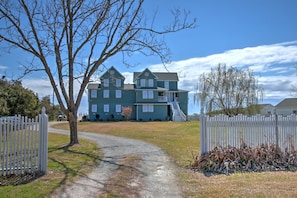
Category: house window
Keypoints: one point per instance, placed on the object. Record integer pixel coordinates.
(106, 108)
(106, 82)
(118, 82)
(105, 93)
(147, 94)
(118, 108)
(148, 108)
(166, 84)
(93, 93)
(151, 82)
(118, 93)
(142, 82)
(94, 108)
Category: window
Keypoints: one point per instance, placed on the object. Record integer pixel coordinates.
(105, 93)
(166, 84)
(93, 93)
(118, 108)
(106, 108)
(106, 82)
(142, 82)
(148, 108)
(118, 93)
(118, 82)
(94, 108)
(151, 82)
(147, 94)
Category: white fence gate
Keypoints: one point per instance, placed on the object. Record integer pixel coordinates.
(23, 144)
(222, 130)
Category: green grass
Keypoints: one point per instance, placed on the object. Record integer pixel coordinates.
(182, 141)
(65, 164)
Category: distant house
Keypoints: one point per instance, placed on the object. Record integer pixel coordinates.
(152, 96)
(266, 109)
(287, 107)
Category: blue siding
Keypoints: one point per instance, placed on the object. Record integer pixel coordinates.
(133, 97)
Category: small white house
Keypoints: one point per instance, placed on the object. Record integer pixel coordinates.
(287, 107)
(266, 109)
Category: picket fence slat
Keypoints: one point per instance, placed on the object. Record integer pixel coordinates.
(224, 131)
(23, 144)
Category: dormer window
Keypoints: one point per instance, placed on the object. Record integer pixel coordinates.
(106, 82)
(142, 82)
(118, 82)
(151, 82)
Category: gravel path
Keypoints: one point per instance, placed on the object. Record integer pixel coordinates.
(157, 172)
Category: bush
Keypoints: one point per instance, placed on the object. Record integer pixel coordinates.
(246, 159)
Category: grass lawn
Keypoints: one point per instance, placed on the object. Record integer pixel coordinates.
(64, 166)
(182, 141)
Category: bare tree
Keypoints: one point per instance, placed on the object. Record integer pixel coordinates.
(59, 34)
(230, 91)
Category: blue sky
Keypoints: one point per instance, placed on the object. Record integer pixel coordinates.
(256, 34)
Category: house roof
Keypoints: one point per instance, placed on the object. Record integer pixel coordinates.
(288, 102)
(112, 70)
(129, 86)
(93, 86)
(264, 105)
(162, 76)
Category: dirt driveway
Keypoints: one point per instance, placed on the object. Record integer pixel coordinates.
(155, 173)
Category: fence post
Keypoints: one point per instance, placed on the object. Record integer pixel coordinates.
(276, 128)
(203, 138)
(43, 141)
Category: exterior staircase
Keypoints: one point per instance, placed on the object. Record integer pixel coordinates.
(177, 114)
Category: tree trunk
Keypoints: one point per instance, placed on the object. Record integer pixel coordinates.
(73, 129)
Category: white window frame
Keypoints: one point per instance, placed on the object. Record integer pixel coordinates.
(166, 84)
(106, 82)
(147, 94)
(118, 82)
(118, 108)
(150, 94)
(118, 93)
(93, 93)
(151, 82)
(106, 108)
(94, 108)
(142, 82)
(106, 93)
(148, 108)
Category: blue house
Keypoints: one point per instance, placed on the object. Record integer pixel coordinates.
(153, 96)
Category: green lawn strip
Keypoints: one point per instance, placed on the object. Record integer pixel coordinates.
(65, 164)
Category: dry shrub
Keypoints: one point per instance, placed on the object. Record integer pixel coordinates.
(246, 159)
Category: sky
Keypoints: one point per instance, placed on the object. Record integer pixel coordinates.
(256, 34)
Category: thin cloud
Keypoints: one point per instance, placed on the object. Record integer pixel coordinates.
(3, 67)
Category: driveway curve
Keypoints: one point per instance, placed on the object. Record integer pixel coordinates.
(157, 173)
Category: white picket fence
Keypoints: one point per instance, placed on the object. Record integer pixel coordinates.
(23, 144)
(224, 131)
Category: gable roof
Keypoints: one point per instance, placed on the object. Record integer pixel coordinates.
(288, 102)
(93, 86)
(161, 76)
(112, 69)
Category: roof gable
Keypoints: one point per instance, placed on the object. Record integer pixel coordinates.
(145, 74)
(112, 72)
(160, 76)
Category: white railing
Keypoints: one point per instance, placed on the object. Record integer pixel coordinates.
(177, 114)
(222, 130)
(23, 144)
